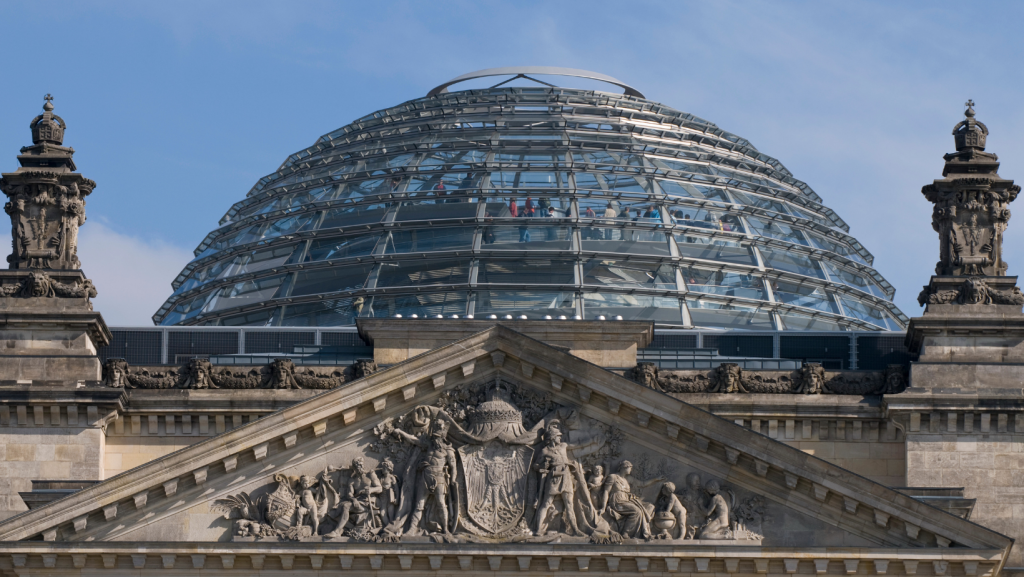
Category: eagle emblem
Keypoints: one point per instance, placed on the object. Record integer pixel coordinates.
(496, 484)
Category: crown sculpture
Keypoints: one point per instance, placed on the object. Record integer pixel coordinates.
(970, 298)
(44, 297)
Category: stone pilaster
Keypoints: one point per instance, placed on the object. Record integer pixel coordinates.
(963, 414)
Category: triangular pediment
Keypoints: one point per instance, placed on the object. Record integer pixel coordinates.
(790, 498)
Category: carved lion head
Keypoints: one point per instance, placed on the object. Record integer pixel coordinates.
(38, 285)
(974, 291)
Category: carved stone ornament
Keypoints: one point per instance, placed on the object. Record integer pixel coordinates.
(489, 463)
(811, 378)
(971, 205)
(727, 378)
(46, 199)
(201, 374)
(115, 373)
(645, 374)
(41, 285)
(973, 291)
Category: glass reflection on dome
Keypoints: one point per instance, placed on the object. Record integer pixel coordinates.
(546, 201)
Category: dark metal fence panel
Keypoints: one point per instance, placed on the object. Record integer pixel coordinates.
(833, 352)
(276, 341)
(875, 352)
(731, 345)
(137, 347)
(673, 342)
(182, 345)
(340, 339)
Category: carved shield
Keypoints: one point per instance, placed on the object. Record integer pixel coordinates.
(496, 480)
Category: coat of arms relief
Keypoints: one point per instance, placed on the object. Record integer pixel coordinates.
(496, 462)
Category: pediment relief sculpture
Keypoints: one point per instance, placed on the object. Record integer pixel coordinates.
(499, 463)
(201, 374)
(810, 378)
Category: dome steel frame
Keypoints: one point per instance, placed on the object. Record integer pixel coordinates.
(415, 210)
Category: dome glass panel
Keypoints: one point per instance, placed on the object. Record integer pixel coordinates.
(538, 202)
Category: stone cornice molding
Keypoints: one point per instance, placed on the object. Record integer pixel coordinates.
(34, 558)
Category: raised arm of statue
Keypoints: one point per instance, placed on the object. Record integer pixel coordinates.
(412, 440)
(649, 482)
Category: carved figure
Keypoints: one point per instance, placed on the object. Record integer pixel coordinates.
(894, 380)
(357, 502)
(115, 373)
(389, 485)
(596, 479)
(282, 374)
(810, 380)
(556, 481)
(695, 501)
(974, 292)
(435, 476)
(727, 378)
(669, 514)
(631, 515)
(716, 524)
(311, 509)
(197, 375)
(645, 374)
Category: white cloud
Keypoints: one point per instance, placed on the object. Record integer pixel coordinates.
(132, 275)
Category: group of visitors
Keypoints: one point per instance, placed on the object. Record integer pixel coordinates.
(542, 209)
(725, 222)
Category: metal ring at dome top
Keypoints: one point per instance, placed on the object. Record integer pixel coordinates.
(522, 71)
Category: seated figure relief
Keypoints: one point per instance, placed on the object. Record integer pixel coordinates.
(491, 464)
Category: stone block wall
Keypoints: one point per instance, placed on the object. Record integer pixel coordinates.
(133, 440)
(45, 453)
(981, 452)
(870, 448)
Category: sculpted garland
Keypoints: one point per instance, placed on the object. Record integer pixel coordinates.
(470, 469)
(810, 379)
(201, 374)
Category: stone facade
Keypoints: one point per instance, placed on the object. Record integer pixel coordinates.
(774, 498)
(511, 446)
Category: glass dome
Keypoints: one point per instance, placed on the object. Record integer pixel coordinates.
(543, 202)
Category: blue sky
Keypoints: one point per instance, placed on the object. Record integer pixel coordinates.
(177, 108)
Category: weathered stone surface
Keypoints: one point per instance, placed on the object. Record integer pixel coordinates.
(607, 344)
(795, 513)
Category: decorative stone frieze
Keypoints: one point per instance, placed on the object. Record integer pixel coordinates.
(200, 374)
(811, 378)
